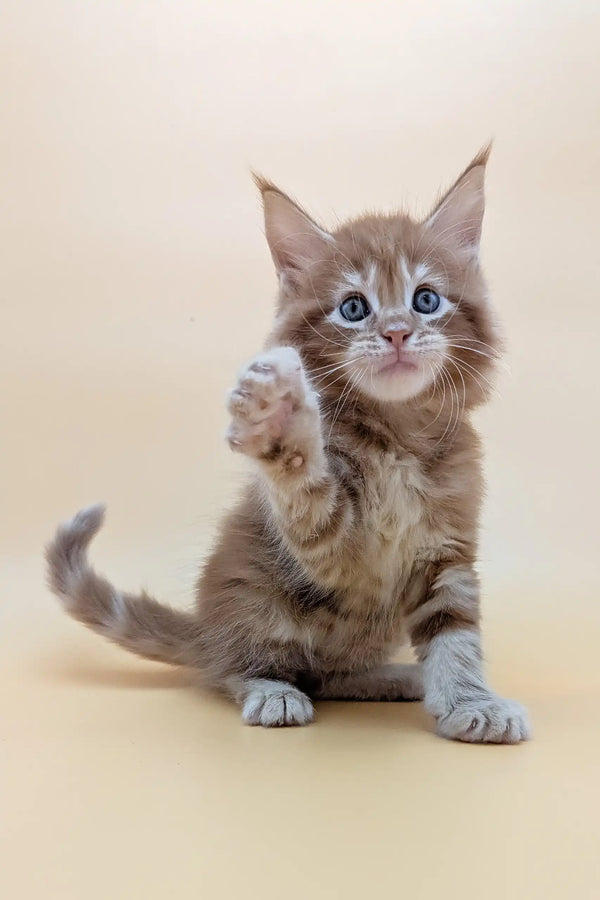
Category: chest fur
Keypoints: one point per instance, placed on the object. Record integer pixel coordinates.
(401, 517)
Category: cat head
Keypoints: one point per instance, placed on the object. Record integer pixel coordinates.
(385, 305)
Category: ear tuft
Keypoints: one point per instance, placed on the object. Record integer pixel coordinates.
(263, 184)
(481, 159)
(295, 240)
(458, 216)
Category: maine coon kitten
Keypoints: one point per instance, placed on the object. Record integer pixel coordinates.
(360, 523)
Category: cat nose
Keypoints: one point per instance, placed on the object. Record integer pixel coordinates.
(397, 336)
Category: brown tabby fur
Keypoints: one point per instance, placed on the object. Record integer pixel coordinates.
(362, 526)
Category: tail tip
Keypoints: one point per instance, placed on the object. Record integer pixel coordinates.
(84, 524)
(66, 553)
(89, 519)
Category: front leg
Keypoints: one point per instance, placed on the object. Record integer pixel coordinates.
(276, 420)
(445, 632)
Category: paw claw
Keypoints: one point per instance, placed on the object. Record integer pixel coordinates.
(261, 367)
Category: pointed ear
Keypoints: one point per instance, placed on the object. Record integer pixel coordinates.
(293, 237)
(458, 216)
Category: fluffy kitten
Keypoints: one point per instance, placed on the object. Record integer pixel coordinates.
(360, 523)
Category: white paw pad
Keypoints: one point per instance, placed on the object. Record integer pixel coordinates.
(491, 720)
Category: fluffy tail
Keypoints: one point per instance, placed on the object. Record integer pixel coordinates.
(136, 622)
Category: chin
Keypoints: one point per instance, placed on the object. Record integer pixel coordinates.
(397, 386)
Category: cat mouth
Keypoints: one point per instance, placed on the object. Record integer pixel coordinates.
(400, 363)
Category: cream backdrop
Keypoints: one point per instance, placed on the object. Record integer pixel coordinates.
(134, 280)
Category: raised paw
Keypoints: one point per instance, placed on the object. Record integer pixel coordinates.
(273, 704)
(269, 405)
(492, 720)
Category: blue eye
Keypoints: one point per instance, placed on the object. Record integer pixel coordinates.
(426, 301)
(355, 308)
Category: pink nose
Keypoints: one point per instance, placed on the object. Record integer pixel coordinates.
(397, 336)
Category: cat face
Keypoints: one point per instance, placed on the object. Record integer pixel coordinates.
(386, 306)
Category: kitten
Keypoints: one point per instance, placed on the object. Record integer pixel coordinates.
(360, 523)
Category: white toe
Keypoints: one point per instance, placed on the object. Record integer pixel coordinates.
(492, 720)
(274, 704)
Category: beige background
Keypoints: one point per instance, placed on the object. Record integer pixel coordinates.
(134, 280)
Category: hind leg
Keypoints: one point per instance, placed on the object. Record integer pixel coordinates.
(270, 703)
(390, 682)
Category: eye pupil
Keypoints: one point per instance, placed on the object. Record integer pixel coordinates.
(426, 301)
(355, 308)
